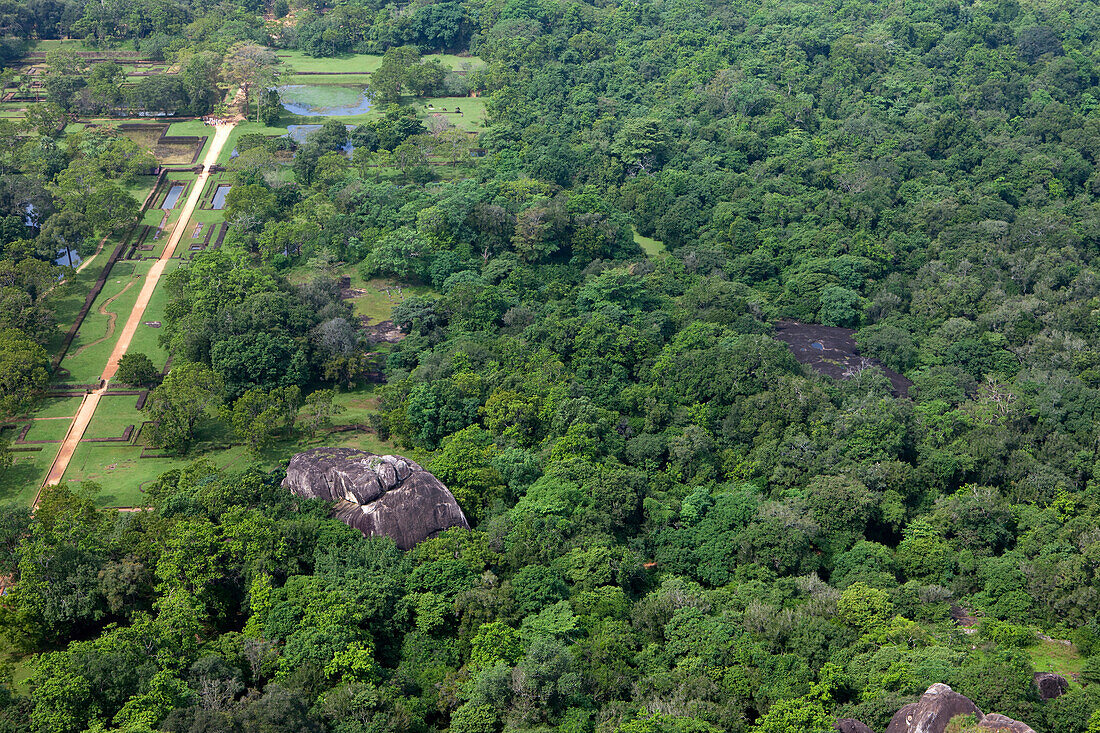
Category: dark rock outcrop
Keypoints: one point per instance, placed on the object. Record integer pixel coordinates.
(378, 495)
(851, 725)
(931, 714)
(1051, 685)
(1004, 724)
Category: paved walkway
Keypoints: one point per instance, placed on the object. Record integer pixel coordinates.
(91, 401)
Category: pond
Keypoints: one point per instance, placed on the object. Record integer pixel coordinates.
(172, 197)
(327, 100)
(68, 258)
(299, 134)
(219, 196)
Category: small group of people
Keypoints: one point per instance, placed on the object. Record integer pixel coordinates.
(211, 120)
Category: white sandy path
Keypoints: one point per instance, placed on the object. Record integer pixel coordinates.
(91, 400)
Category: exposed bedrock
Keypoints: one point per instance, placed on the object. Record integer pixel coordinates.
(389, 496)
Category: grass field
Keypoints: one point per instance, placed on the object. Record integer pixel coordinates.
(48, 429)
(141, 187)
(67, 299)
(21, 666)
(381, 293)
(650, 246)
(1051, 656)
(58, 407)
(364, 63)
(123, 474)
(20, 482)
(145, 338)
(92, 346)
(361, 79)
(114, 414)
(243, 129)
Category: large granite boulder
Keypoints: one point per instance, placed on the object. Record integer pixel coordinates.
(1051, 685)
(931, 714)
(1004, 724)
(851, 725)
(377, 495)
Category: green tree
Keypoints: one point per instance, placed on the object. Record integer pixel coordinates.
(24, 371)
(250, 67)
(200, 73)
(425, 79)
(259, 360)
(391, 75)
(257, 416)
(471, 718)
(864, 607)
(136, 369)
(465, 465)
(806, 714)
(318, 409)
(188, 393)
(661, 723)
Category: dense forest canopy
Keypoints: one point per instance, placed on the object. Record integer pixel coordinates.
(675, 525)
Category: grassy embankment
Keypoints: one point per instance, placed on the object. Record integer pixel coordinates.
(651, 247)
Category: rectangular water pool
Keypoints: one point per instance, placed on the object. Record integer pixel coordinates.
(219, 196)
(173, 196)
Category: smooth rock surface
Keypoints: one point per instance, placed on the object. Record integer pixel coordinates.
(931, 714)
(390, 496)
(851, 725)
(1004, 724)
(1051, 685)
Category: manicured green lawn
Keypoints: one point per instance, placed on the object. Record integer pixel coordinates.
(117, 468)
(650, 246)
(123, 474)
(472, 118)
(19, 483)
(205, 216)
(96, 338)
(113, 414)
(363, 79)
(145, 338)
(48, 430)
(360, 63)
(58, 407)
(67, 299)
(364, 63)
(141, 187)
(153, 217)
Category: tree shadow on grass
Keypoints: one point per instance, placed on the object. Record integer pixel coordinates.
(20, 478)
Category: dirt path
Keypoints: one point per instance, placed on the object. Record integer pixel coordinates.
(91, 400)
(111, 318)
